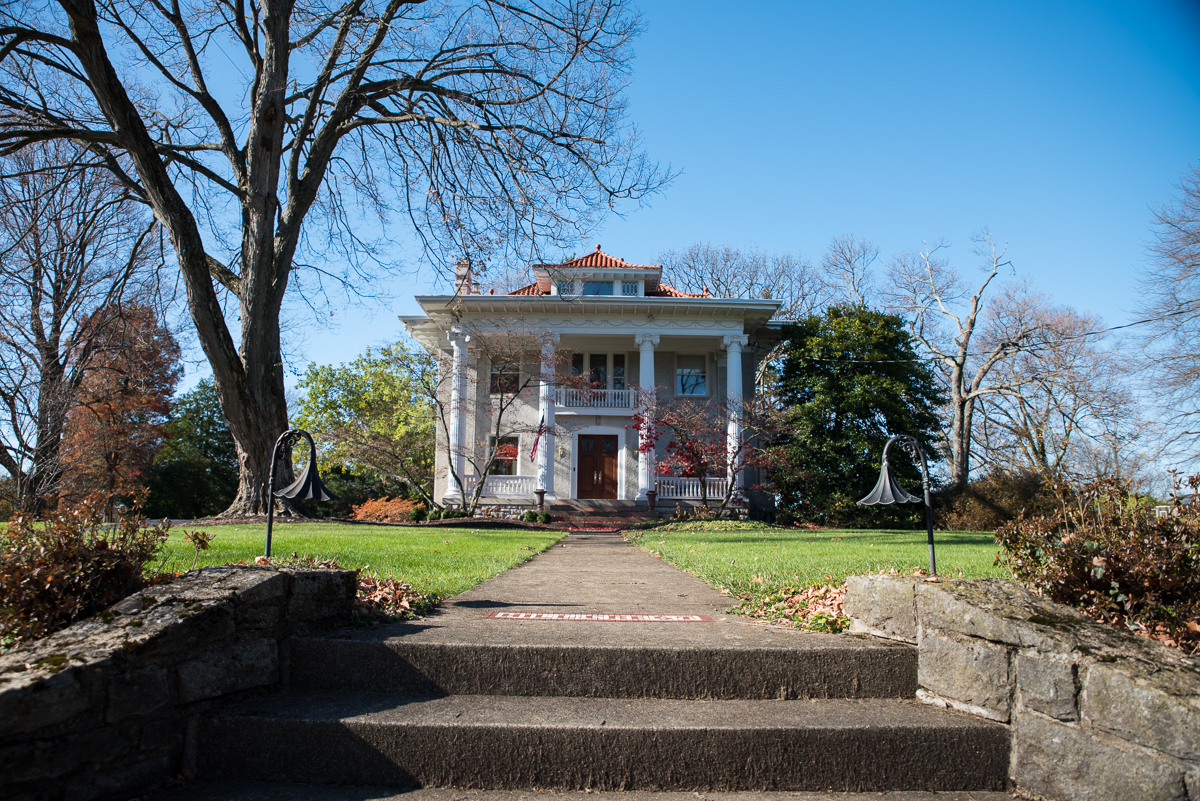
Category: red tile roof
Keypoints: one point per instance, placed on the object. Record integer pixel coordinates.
(532, 289)
(599, 260)
(665, 291)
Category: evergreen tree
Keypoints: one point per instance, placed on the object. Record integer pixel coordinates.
(196, 472)
(849, 379)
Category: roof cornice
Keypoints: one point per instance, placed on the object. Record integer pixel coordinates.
(588, 303)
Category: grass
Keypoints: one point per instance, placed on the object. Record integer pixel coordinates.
(752, 559)
(434, 560)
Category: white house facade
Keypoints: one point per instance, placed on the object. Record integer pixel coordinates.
(607, 332)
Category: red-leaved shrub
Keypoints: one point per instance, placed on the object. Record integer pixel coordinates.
(70, 566)
(384, 510)
(1105, 552)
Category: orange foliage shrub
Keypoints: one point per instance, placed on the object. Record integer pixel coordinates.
(384, 510)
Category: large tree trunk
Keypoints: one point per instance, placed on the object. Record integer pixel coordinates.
(47, 469)
(249, 380)
(264, 274)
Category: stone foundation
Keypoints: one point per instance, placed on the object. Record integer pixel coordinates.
(1095, 712)
(102, 708)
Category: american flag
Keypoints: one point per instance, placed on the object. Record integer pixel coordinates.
(537, 439)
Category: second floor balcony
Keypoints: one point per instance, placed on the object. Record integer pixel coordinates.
(611, 401)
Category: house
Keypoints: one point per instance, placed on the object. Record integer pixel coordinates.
(606, 332)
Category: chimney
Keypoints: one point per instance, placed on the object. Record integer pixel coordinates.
(464, 277)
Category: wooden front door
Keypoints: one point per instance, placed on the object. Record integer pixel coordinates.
(597, 466)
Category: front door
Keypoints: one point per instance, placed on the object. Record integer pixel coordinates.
(597, 466)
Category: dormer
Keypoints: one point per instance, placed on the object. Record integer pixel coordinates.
(597, 274)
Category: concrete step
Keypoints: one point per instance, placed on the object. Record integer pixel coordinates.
(504, 742)
(823, 668)
(249, 790)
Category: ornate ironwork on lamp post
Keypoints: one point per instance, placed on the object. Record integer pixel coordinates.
(889, 491)
(307, 486)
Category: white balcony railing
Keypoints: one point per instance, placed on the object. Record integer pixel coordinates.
(594, 398)
(502, 486)
(688, 489)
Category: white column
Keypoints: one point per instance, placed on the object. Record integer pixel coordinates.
(545, 455)
(458, 414)
(734, 401)
(646, 396)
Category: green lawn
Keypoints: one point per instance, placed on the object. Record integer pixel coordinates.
(750, 559)
(434, 560)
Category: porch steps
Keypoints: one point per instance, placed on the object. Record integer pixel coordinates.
(585, 514)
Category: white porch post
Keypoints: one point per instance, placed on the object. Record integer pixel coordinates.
(647, 397)
(734, 401)
(545, 455)
(458, 414)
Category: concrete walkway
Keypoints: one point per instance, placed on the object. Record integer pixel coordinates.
(598, 573)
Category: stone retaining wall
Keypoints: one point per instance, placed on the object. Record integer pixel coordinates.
(102, 708)
(1095, 713)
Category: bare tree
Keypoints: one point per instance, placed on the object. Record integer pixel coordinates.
(846, 270)
(1072, 404)
(946, 321)
(1171, 297)
(488, 125)
(729, 272)
(74, 246)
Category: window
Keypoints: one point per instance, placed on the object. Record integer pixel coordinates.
(505, 378)
(506, 456)
(690, 375)
(618, 378)
(567, 288)
(577, 364)
(597, 287)
(629, 288)
(598, 370)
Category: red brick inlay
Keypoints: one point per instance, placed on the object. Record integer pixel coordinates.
(591, 616)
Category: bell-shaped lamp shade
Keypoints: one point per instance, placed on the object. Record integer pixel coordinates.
(308, 485)
(888, 490)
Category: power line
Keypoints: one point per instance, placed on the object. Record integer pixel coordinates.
(1065, 338)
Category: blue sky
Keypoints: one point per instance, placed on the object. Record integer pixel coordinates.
(1057, 124)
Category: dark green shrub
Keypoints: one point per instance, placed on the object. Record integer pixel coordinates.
(529, 517)
(1105, 552)
(545, 517)
(71, 566)
(418, 514)
(990, 502)
(435, 514)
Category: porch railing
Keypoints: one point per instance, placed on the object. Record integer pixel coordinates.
(688, 489)
(502, 486)
(594, 398)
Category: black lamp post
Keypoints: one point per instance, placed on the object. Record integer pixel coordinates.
(888, 491)
(307, 485)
